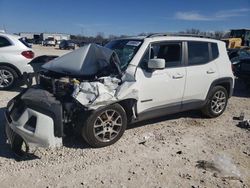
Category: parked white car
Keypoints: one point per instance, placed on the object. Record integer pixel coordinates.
(15, 55)
(99, 90)
(49, 42)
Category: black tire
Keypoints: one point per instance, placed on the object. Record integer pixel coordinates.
(208, 110)
(89, 132)
(13, 73)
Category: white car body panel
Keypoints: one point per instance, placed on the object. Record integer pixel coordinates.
(12, 54)
(197, 88)
(160, 87)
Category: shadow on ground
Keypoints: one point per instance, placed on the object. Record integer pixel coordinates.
(195, 114)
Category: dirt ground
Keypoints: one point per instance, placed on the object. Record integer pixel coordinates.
(181, 150)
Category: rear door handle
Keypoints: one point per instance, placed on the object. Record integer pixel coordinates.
(178, 76)
(210, 71)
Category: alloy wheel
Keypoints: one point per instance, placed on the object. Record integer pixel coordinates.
(107, 125)
(6, 78)
(218, 102)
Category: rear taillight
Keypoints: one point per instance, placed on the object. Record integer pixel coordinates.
(28, 54)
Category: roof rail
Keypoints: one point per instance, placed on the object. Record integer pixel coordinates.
(176, 34)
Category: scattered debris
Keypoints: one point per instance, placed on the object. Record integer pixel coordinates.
(242, 115)
(207, 165)
(143, 142)
(179, 152)
(244, 124)
(146, 137)
(222, 166)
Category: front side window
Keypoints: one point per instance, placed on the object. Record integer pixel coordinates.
(198, 53)
(170, 52)
(4, 42)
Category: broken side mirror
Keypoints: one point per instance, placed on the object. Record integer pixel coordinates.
(156, 64)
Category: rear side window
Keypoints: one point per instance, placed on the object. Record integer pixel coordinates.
(198, 53)
(4, 42)
(23, 40)
(215, 51)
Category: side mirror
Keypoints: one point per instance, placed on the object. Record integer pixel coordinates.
(156, 64)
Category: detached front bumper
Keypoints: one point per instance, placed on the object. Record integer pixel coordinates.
(36, 116)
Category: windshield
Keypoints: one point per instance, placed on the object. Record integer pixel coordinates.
(125, 49)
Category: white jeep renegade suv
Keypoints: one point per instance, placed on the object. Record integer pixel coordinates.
(99, 90)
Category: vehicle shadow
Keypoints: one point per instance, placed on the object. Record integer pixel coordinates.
(73, 139)
(195, 114)
(18, 88)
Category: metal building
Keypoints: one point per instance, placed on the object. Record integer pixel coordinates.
(56, 36)
(43, 36)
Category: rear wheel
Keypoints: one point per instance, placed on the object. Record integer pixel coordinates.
(216, 103)
(8, 77)
(106, 126)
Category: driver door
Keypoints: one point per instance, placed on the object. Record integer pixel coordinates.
(161, 90)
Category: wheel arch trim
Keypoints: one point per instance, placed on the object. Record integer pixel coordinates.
(11, 66)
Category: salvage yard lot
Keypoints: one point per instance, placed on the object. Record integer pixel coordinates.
(181, 150)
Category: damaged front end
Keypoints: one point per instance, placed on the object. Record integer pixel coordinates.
(70, 86)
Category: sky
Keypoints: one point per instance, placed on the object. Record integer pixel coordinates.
(129, 17)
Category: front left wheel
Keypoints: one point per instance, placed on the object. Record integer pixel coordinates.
(105, 126)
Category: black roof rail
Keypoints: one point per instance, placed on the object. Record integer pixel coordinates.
(176, 34)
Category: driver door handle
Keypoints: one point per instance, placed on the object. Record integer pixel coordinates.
(178, 76)
(210, 71)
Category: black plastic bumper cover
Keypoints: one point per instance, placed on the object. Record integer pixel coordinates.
(41, 101)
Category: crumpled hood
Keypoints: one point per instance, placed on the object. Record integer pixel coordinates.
(86, 61)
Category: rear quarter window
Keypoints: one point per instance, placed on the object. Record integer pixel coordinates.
(22, 40)
(4, 42)
(215, 51)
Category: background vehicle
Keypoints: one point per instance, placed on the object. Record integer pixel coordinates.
(235, 54)
(240, 59)
(238, 38)
(67, 44)
(15, 54)
(58, 42)
(128, 80)
(49, 42)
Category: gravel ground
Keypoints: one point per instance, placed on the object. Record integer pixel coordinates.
(181, 150)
